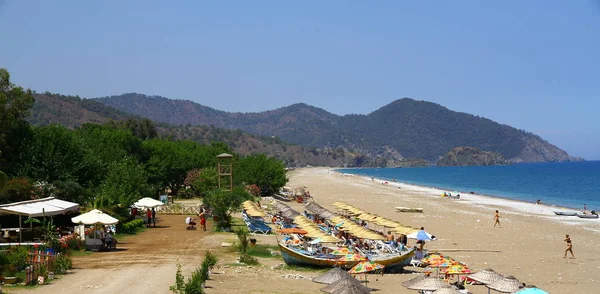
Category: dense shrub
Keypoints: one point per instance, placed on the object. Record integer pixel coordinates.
(18, 256)
(62, 263)
(132, 226)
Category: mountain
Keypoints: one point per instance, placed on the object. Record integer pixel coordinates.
(73, 111)
(470, 156)
(405, 128)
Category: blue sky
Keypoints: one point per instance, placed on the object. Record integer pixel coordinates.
(532, 64)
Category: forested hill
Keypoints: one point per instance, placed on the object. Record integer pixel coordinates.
(73, 111)
(405, 128)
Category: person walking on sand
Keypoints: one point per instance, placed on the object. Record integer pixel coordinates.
(569, 247)
(149, 216)
(497, 219)
(202, 216)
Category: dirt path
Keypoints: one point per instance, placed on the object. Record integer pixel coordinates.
(146, 263)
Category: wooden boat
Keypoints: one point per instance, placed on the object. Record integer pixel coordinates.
(581, 215)
(565, 213)
(298, 257)
(409, 209)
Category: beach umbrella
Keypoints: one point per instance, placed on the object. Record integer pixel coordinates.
(420, 235)
(427, 284)
(347, 286)
(325, 239)
(351, 257)
(532, 290)
(332, 276)
(148, 202)
(457, 269)
(366, 267)
(486, 276)
(94, 217)
(449, 289)
(292, 231)
(507, 284)
(413, 280)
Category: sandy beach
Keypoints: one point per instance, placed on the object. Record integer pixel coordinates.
(529, 245)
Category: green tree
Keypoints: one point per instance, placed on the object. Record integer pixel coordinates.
(266, 172)
(125, 183)
(142, 128)
(207, 180)
(15, 190)
(14, 128)
(223, 203)
(55, 153)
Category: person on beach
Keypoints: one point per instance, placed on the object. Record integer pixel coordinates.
(390, 238)
(497, 219)
(202, 216)
(569, 247)
(153, 217)
(149, 216)
(584, 208)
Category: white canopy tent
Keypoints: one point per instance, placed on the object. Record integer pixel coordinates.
(39, 207)
(147, 203)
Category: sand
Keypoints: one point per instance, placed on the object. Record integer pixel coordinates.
(530, 242)
(529, 245)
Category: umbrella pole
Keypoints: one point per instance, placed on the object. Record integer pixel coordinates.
(20, 230)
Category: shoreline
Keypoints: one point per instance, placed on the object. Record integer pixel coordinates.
(529, 244)
(513, 206)
(462, 194)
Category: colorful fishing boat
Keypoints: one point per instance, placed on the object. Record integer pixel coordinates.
(296, 256)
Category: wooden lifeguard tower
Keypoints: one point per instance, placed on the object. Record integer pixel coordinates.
(225, 170)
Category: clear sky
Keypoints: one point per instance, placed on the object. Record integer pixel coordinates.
(532, 64)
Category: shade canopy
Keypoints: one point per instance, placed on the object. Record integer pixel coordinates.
(413, 280)
(486, 276)
(533, 290)
(332, 276)
(39, 207)
(148, 202)
(95, 217)
(508, 284)
(420, 235)
(427, 284)
(346, 285)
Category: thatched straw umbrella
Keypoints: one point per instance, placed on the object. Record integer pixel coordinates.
(332, 276)
(413, 280)
(447, 290)
(508, 284)
(486, 276)
(348, 285)
(427, 284)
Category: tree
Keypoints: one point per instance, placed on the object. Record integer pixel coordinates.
(15, 190)
(142, 128)
(125, 183)
(55, 153)
(202, 180)
(222, 203)
(266, 172)
(14, 128)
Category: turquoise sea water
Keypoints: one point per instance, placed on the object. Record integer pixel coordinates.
(571, 184)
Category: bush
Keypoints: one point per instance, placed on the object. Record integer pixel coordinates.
(62, 264)
(18, 256)
(193, 284)
(243, 242)
(249, 260)
(133, 226)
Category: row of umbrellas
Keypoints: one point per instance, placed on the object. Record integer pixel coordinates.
(284, 210)
(252, 209)
(313, 231)
(320, 210)
(374, 219)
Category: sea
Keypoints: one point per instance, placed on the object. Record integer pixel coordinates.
(567, 184)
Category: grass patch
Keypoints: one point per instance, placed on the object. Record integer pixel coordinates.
(236, 264)
(263, 251)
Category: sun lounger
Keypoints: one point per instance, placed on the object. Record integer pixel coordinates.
(258, 228)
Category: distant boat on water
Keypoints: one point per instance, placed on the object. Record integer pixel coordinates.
(565, 213)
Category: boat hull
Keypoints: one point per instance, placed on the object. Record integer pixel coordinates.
(292, 257)
(565, 213)
(592, 216)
